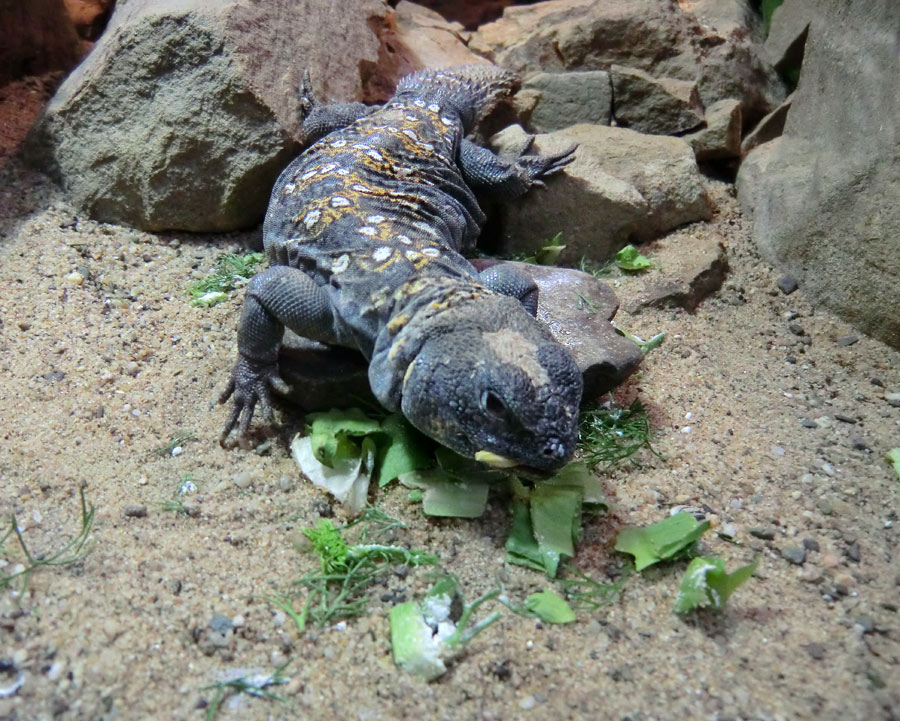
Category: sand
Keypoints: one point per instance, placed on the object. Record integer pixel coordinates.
(103, 362)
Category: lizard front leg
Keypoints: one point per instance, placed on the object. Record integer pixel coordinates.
(277, 298)
(484, 170)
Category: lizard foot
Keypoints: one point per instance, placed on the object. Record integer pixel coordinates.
(251, 383)
(534, 168)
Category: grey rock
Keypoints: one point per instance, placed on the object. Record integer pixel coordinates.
(662, 106)
(569, 99)
(787, 284)
(847, 340)
(721, 138)
(689, 269)
(134, 510)
(185, 111)
(785, 42)
(794, 554)
(622, 187)
(823, 197)
(853, 552)
(816, 651)
(766, 534)
(769, 127)
(665, 39)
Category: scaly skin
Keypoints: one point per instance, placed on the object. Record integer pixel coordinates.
(364, 233)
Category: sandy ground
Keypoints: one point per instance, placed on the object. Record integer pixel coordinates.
(103, 361)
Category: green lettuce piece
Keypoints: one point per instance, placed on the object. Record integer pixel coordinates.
(629, 258)
(521, 547)
(424, 635)
(330, 433)
(549, 254)
(549, 607)
(401, 449)
(348, 479)
(556, 518)
(894, 457)
(578, 475)
(661, 541)
(707, 584)
(445, 496)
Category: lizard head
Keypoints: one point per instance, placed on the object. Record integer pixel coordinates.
(498, 388)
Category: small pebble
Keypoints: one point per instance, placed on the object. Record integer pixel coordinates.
(829, 560)
(728, 530)
(131, 368)
(135, 510)
(221, 624)
(811, 544)
(853, 552)
(806, 423)
(75, 278)
(528, 703)
(844, 419)
(778, 450)
(286, 483)
(766, 534)
(893, 399)
(816, 651)
(242, 479)
(794, 554)
(177, 451)
(796, 329)
(847, 340)
(787, 284)
(23, 325)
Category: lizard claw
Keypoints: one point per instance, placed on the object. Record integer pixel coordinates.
(251, 383)
(307, 97)
(537, 167)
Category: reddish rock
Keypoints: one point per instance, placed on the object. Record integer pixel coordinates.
(38, 37)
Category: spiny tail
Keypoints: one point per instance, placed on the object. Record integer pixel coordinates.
(471, 89)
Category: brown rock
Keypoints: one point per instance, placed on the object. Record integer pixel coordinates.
(212, 106)
(721, 138)
(688, 269)
(89, 16)
(622, 187)
(665, 39)
(662, 106)
(769, 128)
(412, 38)
(469, 14)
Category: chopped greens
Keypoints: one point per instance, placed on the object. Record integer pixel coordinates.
(401, 449)
(584, 593)
(330, 433)
(549, 607)
(255, 685)
(348, 479)
(671, 538)
(545, 255)
(445, 496)
(894, 457)
(338, 590)
(231, 272)
(547, 520)
(424, 635)
(645, 345)
(69, 553)
(610, 435)
(707, 584)
(629, 258)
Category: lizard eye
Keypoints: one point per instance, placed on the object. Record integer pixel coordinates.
(493, 404)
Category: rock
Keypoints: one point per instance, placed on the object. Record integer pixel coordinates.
(787, 284)
(38, 37)
(661, 106)
(568, 99)
(847, 340)
(816, 651)
(412, 38)
(823, 197)
(469, 14)
(661, 38)
(622, 187)
(769, 128)
(766, 534)
(794, 554)
(134, 510)
(721, 138)
(690, 268)
(185, 112)
(577, 308)
(784, 45)
(323, 377)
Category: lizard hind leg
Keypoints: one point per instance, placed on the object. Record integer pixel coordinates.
(508, 280)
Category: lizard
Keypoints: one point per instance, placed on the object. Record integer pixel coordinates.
(365, 234)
